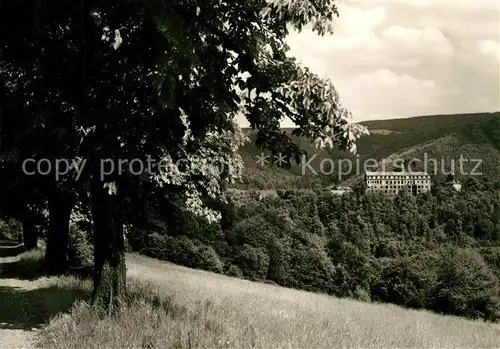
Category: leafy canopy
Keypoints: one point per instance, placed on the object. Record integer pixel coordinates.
(138, 78)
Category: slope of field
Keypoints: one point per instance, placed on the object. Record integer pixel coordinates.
(439, 136)
(477, 129)
(197, 309)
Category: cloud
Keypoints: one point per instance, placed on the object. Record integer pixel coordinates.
(355, 19)
(332, 43)
(413, 41)
(409, 57)
(382, 94)
(462, 5)
(387, 78)
(415, 36)
(364, 37)
(354, 30)
(489, 47)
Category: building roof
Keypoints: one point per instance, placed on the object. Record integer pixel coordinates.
(395, 173)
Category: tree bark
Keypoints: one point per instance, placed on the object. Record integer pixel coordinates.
(56, 254)
(109, 246)
(30, 235)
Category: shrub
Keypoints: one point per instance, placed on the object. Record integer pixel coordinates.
(466, 286)
(209, 260)
(405, 282)
(234, 271)
(254, 262)
(279, 262)
(492, 256)
(180, 250)
(183, 251)
(80, 249)
(154, 246)
(353, 267)
(361, 295)
(10, 229)
(312, 269)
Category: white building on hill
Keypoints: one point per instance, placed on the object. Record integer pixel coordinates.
(341, 190)
(454, 184)
(394, 182)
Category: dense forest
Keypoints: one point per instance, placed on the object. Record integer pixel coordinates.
(168, 81)
(439, 251)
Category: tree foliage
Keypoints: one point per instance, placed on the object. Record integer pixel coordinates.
(137, 79)
(401, 250)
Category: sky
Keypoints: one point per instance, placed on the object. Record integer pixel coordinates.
(394, 59)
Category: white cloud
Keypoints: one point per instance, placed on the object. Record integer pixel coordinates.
(430, 40)
(355, 19)
(402, 46)
(489, 47)
(409, 57)
(484, 104)
(306, 40)
(456, 4)
(382, 94)
(354, 30)
(408, 63)
(415, 36)
(387, 78)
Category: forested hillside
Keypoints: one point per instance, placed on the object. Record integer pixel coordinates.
(439, 252)
(441, 137)
(131, 142)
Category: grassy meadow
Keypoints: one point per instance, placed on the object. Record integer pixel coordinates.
(170, 306)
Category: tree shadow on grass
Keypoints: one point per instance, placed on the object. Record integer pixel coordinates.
(28, 309)
(22, 270)
(32, 269)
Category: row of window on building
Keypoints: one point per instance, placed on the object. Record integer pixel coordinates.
(395, 182)
(400, 176)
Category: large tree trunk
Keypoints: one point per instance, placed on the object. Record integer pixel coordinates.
(56, 255)
(30, 235)
(109, 246)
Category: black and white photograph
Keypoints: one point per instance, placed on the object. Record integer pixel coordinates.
(181, 174)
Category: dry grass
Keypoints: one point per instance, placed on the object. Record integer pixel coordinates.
(28, 302)
(25, 265)
(175, 307)
(31, 260)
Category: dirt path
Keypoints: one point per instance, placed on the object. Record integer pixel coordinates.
(19, 305)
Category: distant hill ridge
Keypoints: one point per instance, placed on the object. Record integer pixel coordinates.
(446, 137)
